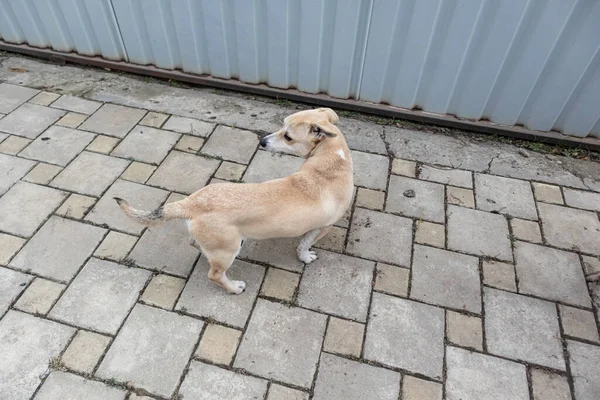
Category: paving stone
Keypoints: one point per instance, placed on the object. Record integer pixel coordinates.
(266, 166)
(335, 240)
(27, 344)
(505, 195)
(163, 291)
(113, 120)
(370, 170)
(12, 283)
(39, 296)
(522, 328)
(447, 176)
(344, 337)
(414, 198)
(581, 199)
(420, 389)
(85, 351)
(9, 245)
(44, 98)
(218, 344)
(526, 230)
(431, 234)
(42, 174)
(278, 392)
(133, 396)
(90, 173)
(71, 120)
(570, 229)
(230, 171)
(591, 265)
(25, 207)
(146, 144)
(231, 144)
(549, 386)
(138, 172)
(380, 237)
(404, 167)
(499, 275)
(344, 222)
(106, 210)
(280, 253)
(203, 298)
(392, 280)
(76, 104)
(59, 249)
(325, 286)
(64, 386)
(496, 378)
(166, 248)
(292, 336)
(479, 233)
(405, 334)
(460, 197)
(152, 350)
(100, 297)
(12, 96)
(189, 144)
(58, 145)
(170, 174)
(13, 145)
(189, 126)
(13, 169)
(154, 119)
(547, 193)
(103, 144)
(434, 270)
(340, 378)
(29, 120)
(76, 206)
(210, 382)
(363, 136)
(280, 284)
(585, 369)
(464, 330)
(579, 323)
(551, 274)
(371, 199)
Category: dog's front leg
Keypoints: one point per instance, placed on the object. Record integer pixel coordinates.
(311, 237)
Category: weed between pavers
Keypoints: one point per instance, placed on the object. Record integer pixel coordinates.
(57, 364)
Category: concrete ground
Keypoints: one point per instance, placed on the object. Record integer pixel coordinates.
(459, 272)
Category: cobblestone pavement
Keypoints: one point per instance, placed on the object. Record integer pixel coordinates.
(459, 272)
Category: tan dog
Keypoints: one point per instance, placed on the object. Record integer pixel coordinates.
(308, 203)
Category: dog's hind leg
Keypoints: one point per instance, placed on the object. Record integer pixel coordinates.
(219, 264)
(311, 237)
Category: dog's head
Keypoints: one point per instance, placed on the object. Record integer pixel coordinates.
(302, 132)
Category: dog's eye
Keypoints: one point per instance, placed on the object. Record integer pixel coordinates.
(287, 137)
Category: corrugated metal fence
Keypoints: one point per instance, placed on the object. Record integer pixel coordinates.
(535, 62)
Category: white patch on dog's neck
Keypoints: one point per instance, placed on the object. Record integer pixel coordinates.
(340, 153)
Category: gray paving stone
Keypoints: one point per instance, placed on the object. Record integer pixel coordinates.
(44, 98)
(431, 234)
(344, 337)
(218, 344)
(113, 120)
(85, 351)
(549, 386)
(505, 195)
(460, 197)
(280, 253)
(570, 229)
(581, 199)
(585, 368)
(266, 166)
(25, 207)
(380, 237)
(405, 334)
(149, 145)
(166, 248)
(71, 120)
(106, 210)
(39, 296)
(90, 173)
(42, 174)
(231, 144)
(170, 175)
(434, 270)
(100, 297)
(64, 386)
(496, 378)
(404, 167)
(163, 291)
(189, 126)
(420, 389)
(13, 169)
(280, 284)
(579, 323)
(547, 193)
(27, 344)
(526, 230)
(29, 120)
(209, 382)
(14, 144)
(282, 343)
(9, 245)
(203, 298)
(446, 176)
(414, 198)
(464, 330)
(522, 328)
(371, 199)
(337, 284)
(340, 378)
(154, 120)
(551, 274)
(479, 233)
(76, 206)
(76, 104)
(59, 249)
(392, 280)
(152, 350)
(12, 96)
(363, 136)
(58, 145)
(370, 170)
(499, 275)
(12, 283)
(278, 392)
(115, 246)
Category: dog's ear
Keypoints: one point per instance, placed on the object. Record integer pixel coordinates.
(324, 130)
(331, 115)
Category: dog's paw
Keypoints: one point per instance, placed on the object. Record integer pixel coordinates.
(239, 287)
(307, 256)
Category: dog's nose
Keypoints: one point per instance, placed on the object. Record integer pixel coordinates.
(263, 142)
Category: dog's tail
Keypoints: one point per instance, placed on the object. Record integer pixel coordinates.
(162, 214)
